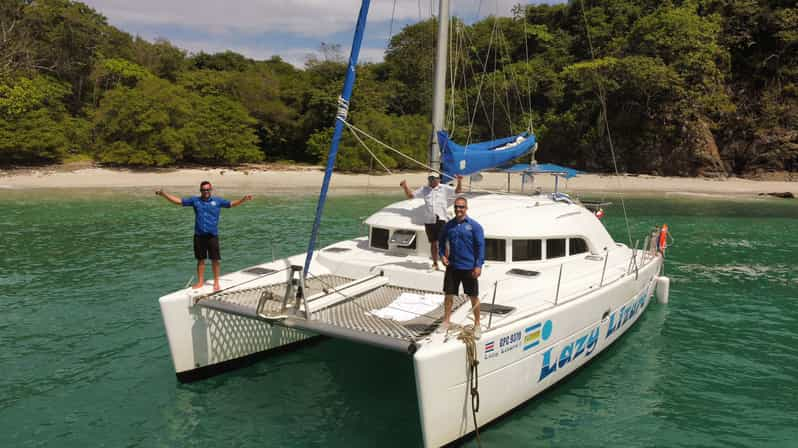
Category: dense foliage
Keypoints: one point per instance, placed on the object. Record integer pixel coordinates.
(688, 87)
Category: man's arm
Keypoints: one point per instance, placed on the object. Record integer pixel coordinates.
(238, 202)
(404, 186)
(459, 188)
(479, 251)
(442, 246)
(171, 198)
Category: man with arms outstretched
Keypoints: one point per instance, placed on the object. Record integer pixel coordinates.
(207, 209)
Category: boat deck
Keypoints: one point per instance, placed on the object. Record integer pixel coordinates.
(350, 314)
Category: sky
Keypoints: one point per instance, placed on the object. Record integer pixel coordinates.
(292, 29)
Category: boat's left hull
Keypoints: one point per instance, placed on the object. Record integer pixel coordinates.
(204, 342)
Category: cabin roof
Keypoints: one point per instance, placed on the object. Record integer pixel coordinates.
(507, 216)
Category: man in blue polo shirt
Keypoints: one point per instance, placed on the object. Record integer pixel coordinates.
(461, 247)
(206, 227)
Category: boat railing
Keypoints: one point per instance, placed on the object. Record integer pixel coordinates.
(641, 256)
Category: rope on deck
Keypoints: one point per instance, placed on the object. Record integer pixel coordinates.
(467, 336)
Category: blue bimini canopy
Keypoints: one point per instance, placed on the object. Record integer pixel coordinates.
(543, 168)
(464, 160)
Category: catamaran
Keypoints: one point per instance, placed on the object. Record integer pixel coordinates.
(557, 289)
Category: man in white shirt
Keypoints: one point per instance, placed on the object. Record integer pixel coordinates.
(437, 197)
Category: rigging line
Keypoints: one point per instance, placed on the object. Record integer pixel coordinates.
(385, 145)
(466, 97)
(479, 89)
(493, 80)
(462, 62)
(369, 150)
(513, 77)
(529, 71)
(478, 102)
(390, 28)
(493, 74)
(453, 50)
(479, 10)
(506, 105)
(603, 101)
(421, 164)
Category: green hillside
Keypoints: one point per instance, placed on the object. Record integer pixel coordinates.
(691, 88)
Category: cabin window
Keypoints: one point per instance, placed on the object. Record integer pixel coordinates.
(495, 250)
(525, 250)
(555, 248)
(576, 246)
(404, 238)
(379, 238)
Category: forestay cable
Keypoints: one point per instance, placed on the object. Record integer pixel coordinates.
(603, 100)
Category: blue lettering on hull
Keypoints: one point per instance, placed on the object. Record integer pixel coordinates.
(619, 318)
(586, 344)
(582, 346)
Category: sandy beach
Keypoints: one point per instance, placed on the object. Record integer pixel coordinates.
(304, 179)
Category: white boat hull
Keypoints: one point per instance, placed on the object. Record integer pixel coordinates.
(509, 374)
(204, 342)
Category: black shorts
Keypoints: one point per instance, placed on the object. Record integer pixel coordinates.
(206, 246)
(434, 230)
(453, 278)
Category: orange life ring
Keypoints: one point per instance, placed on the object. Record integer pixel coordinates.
(662, 244)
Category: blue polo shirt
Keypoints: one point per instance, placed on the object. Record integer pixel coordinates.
(206, 213)
(466, 244)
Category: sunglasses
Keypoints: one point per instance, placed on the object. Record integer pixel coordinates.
(205, 189)
(460, 206)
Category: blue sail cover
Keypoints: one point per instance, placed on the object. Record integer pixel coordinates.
(465, 160)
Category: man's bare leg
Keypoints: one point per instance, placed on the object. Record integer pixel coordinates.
(447, 309)
(433, 247)
(475, 307)
(200, 274)
(215, 265)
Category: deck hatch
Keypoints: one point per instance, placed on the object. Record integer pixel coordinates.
(336, 250)
(259, 271)
(492, 308)
(523, 272)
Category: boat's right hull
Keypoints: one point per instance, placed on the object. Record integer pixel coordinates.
(522, 360)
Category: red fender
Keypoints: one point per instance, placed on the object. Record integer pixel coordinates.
(662, 243)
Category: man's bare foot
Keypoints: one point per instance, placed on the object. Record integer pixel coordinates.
(435, 266)
(216, 286)
(197, 285)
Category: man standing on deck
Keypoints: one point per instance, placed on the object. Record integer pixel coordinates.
(437, 197)
(207, 209)
(462, 251)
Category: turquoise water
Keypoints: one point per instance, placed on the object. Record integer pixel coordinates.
(85, 362)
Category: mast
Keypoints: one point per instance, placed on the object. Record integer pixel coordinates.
(340, 117)
(439, 88)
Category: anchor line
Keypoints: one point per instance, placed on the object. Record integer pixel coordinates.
(467, 336)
